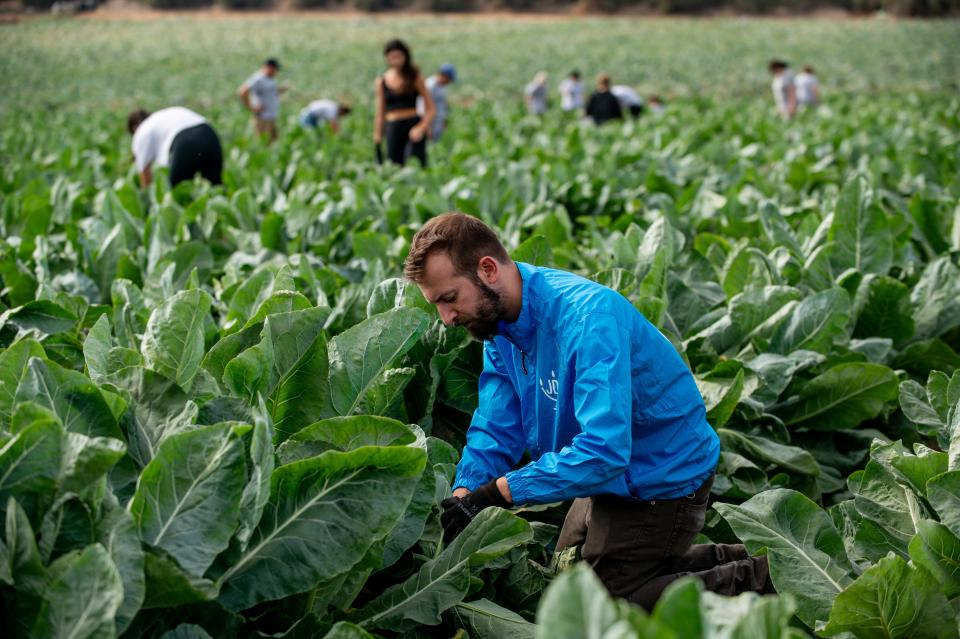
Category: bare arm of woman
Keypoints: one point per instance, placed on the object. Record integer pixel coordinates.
(378, 109)
(146, 176)
(429, 110)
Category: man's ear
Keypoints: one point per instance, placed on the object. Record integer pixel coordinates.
(488, 270)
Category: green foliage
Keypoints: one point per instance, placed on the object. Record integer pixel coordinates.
(222, 412)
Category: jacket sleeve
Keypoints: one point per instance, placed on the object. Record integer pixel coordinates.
(495, 438)
(601, 451)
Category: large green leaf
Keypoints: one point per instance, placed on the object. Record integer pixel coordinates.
(444, 581)
(83, 599)
(173, 343)
(323, 516)
(860, 231)
(882, 308)
(747, 616)
(938, 550)
(288, 367)
(534, 250)
(26, 566)
(257, 491)
(70, 395)
(769, 451)
(39, 318)
(13, 361)
(891, 600)
(880, 498)
(943, 492)
(96, 349)
(815, 324)
(188, 497)
(118, 534)
(843, 397)
(158, 408)
(167, 585)
(361, 357)
(343, 434)
(30, 461)
(806, 552)
(484, 619)
(936, 299)
(577, 605)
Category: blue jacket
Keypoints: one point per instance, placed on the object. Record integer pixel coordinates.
(597, 395)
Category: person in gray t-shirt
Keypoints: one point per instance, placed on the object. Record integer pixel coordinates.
(535, 94)
(261, 95)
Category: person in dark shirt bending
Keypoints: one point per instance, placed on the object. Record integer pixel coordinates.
(603, 105)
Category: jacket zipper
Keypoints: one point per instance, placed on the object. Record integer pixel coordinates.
(523, 355)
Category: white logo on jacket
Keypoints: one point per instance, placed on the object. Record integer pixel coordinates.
(551, 388)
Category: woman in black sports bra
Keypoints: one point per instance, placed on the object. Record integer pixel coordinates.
(396, 115)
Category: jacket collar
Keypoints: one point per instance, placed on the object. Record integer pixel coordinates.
(523, 331)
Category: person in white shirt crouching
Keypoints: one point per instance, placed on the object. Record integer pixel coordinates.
(320, 111)
(175, 137)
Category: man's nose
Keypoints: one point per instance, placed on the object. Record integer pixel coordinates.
(448, 315)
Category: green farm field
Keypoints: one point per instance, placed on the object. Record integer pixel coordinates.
(223, 413)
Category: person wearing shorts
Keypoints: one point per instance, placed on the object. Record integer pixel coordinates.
(261, 95)
(396, 117)
(178, 138)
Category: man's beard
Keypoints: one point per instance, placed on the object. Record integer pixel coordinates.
(483, 325)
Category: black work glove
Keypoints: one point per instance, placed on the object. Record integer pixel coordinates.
(458, 512)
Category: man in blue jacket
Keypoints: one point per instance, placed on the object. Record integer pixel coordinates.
(611, 416)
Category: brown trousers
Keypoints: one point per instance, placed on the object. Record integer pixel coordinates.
(638, 548)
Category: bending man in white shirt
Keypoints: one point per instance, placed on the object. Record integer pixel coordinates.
(175, 137)
(628, 98)
(320, 111)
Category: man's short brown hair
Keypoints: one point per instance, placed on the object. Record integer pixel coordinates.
(463, 238)
(135, 119)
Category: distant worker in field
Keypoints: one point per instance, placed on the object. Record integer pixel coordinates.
(324, 111)
(784, 91)
(536, 95)
(261, 95)
(628, 98)
(395, 115)
(607, 410)
(655, 103)
(571, 92)
(178, 138)
(807, 87)
(438, 84)
(603, 106)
